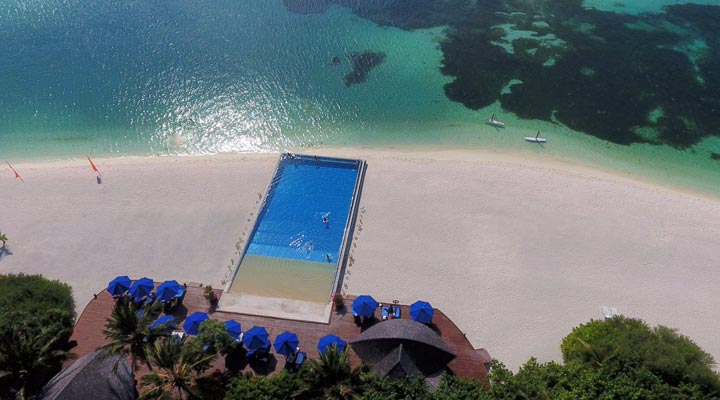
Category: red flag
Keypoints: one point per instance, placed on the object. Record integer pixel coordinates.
(17, 176)
(93, 166)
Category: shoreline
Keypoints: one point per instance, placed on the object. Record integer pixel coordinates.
(500, 157)
(515, 249)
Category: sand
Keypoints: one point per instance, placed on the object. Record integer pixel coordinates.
(515, 248)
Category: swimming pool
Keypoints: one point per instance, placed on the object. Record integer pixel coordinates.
(298, 241)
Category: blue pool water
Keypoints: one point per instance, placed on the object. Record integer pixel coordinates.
(302, 192)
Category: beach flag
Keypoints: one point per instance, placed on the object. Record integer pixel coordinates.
(17, 176)
(92, 164)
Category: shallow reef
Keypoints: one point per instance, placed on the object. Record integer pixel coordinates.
(614, 76)
(362, 64)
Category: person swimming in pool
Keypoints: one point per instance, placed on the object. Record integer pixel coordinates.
(328, 256)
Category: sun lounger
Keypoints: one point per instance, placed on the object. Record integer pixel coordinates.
(606, 312)
(385, 312)
(614, 312)
(178, 335)
(300, 359)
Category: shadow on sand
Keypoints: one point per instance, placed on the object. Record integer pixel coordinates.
(4, 251)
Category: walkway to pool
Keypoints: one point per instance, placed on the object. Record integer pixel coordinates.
(469, 362)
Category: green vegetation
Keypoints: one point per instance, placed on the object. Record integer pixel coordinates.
(36, 321)
(177, 365)
(3, 239)
(621, 343)
(619, 358)
(331, 377)
(213, 334)
(128, 331)
(210, 295)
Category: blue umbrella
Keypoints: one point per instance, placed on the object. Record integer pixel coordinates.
(233, 328)
(192, 323)
(166, 320)
(326, 342)
(422, 311)
(119, 285)
(286, 343)
(256, 338)
(142, 287)
(364, 306)
(167, 290)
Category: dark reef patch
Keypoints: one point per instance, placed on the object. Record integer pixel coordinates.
(336, 60)
(362, 64)
(715, 156)
(602, 73)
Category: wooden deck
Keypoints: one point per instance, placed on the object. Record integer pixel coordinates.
(469, 362)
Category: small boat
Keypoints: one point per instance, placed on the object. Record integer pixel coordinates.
(492, 121)
(535, 139)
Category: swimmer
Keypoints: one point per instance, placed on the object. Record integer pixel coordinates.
(328, 256)
(325, 219)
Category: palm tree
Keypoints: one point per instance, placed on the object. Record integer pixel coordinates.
(3, 238)
(128, 331)
(32, 349)
(178, 364)
(331, 377)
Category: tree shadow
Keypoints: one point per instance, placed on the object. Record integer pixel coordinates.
(236, 360)
(4, 251)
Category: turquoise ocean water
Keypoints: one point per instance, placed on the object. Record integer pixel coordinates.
(190, 77)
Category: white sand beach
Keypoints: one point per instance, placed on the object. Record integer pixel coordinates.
(516, 249)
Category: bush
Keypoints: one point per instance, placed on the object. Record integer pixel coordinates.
(410, 388)
(36, 321)
(214, 334)
(210, 295)
(248, 387)
(34, 294)
(621, 343)
(338, 301)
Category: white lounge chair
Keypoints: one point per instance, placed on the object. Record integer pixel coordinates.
(606, 312)
(614, 312)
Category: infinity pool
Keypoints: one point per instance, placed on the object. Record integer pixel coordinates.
(297, 243)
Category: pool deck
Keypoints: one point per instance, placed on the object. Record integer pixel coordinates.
(469, 362)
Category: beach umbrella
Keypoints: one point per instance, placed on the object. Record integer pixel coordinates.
(192, 323)
(119, 285)
(165, 320)
(327, 341)
(286, 343)
(422, 311)
(256, 338)
(402, 346)
(167, 290)
(364, 306)
(234, 329)
(142, 287)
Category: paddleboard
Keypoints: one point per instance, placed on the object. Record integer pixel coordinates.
(495, 123)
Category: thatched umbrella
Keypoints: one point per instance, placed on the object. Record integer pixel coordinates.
(400, 347)
(92, 376)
